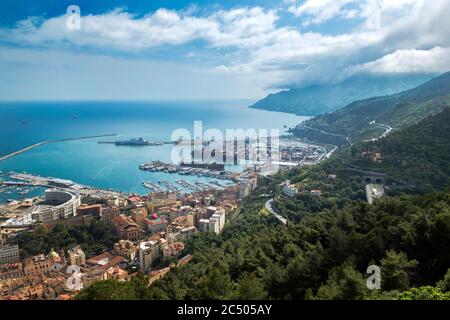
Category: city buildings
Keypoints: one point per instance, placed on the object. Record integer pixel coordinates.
(126, 249)
(206, 225)
(244, 190)
(127, 228)
(149, 252)
(104, 261)
(84, 220)
(109, 213)
(90, 210)
(9, 254)
(139, 215)
(159, 200)
(156, 225)
(8, 271)
(170, 219)
(57, 205)
(173, 250)
(37, 265)
(214, 223)
(77, 256)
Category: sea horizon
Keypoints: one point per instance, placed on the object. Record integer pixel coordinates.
(108, 166)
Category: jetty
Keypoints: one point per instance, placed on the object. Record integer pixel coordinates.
(16, 153)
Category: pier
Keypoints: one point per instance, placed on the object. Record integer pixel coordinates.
(16, 153)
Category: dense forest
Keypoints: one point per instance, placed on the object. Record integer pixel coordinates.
(325, 256)
(326, 247)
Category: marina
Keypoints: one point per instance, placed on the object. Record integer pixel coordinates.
(186, 169)
(183, 186)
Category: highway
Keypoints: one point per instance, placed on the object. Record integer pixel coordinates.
(327, 133)
(327, 155)
(269, 207)
(387, 131)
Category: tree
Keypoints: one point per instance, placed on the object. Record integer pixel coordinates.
(108, 290)
(394, 271)
(217, 285)
(444, 284)
(250, 288)
(344, 283)
(424, 293)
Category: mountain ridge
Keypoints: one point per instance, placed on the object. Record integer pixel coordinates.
(317, 99)
(399, 110)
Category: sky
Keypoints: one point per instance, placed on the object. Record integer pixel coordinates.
(207, 49)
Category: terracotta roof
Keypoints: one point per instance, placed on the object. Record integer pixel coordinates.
(105, 261)
(123, 222)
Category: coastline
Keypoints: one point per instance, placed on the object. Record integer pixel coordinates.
(102, 165)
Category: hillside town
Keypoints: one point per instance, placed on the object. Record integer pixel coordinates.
(153, 232)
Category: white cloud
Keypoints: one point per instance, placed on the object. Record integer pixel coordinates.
(320, 11)
(409, 61)
(245, 27)
(259, 47)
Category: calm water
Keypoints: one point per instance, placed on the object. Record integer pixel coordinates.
(107, 165)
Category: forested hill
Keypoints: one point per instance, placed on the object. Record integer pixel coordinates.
(325, 249)
(398, 111)
(314, 100)
(417, 157)
(325, 256)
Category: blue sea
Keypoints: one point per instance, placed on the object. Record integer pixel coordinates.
(106, 165)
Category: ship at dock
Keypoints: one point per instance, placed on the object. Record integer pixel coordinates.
(138, 142)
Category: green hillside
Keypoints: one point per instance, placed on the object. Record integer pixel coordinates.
(325, 256)
(416, 158)
(398, 111)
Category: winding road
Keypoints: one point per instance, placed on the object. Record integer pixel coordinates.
(270, 208)
(327, 133)
(386, 127)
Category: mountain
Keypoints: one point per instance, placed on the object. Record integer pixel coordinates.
(416, 158)
(355, 122)
(314, 100)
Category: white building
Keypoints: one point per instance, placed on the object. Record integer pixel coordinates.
(149, 252)
(209, 225)
(289, 190)
(214, 224)
(220, 216)
(58, 204)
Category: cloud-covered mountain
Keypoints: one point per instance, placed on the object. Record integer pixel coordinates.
(355, 121)
(314, 100)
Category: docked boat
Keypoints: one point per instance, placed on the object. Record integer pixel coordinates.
(138, 142)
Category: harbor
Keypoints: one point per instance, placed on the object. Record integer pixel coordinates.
(182, 186)
(199, 170)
